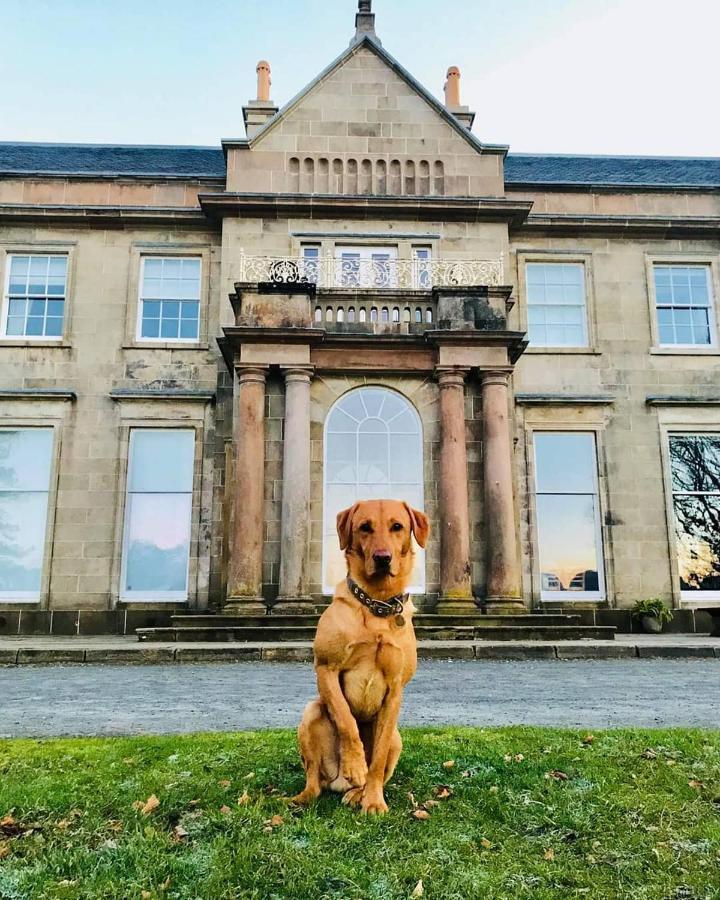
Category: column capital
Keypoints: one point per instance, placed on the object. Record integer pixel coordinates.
(298, 373)
(495, 376)
(451, 376)
(257, 374)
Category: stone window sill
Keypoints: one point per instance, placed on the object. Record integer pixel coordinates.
(24, 342)
(564, 351)
(166, 345)
(685, 351)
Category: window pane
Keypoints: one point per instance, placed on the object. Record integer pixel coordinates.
(162, 461)
(568, 542)
(158, 542)
(23, 518)
(697, 528)
(683, 297)
(556, 304)
(379, 427)
(695, 462)
(565, 463)
(25, 459)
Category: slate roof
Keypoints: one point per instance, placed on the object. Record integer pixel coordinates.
(629, 171)
(209, 162)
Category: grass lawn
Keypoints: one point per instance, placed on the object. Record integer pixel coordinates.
(522, 812)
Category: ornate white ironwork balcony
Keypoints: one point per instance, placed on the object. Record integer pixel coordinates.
(371, 274)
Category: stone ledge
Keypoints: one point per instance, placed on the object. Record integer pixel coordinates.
(127, 651)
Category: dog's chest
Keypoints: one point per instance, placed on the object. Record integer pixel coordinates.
(365, 687)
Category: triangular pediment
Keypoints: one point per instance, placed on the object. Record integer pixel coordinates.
(366, 126)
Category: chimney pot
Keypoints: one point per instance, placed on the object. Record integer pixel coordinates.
(452, 88)
(263, 81)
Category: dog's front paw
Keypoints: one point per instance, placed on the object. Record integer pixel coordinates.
(354, 767)
(353, 797)
(373, 803)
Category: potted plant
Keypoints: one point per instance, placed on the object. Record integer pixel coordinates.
(652, 615)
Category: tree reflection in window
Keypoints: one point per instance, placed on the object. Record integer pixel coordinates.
(695, 469)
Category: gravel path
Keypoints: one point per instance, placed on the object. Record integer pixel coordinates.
(107, 700)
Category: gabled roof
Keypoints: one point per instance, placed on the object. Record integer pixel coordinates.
(373, 44)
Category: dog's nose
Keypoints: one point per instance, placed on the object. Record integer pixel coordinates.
(382, 557)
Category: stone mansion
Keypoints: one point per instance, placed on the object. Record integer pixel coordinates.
(207, 352)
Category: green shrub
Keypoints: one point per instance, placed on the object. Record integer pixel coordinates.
(652, 607)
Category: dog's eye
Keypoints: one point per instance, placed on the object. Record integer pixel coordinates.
(366, 528)
(396, 526)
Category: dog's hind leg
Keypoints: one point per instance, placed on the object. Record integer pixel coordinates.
(319, 748)
(311, 752)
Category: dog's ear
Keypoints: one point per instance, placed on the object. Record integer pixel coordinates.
(419, 523)
(344, 526)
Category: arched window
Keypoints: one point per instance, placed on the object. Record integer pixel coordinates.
(373, 449)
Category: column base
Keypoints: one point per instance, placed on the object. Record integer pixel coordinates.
(504, 606)
(456, 606)
(244, 606)
(293, 606)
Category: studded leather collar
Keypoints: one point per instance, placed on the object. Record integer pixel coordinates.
(380, 608)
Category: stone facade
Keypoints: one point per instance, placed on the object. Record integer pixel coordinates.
(364, 157)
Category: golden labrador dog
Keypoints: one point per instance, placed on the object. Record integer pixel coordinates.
(365, 654)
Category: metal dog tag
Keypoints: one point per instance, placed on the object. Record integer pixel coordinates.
(399, 621)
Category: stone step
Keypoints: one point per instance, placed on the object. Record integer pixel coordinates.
(422, 619)
(502, 632)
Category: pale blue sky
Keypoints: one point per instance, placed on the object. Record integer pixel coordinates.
(567, 76)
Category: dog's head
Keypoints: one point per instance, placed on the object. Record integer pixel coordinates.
(376, 536)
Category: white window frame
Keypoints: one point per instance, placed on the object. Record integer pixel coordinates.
(366, 252)
(140, 300)
(126, 596)
(34, 596)
(546, 263)
(329, 589)
(712, 322)
(34, 338)
(689, 598)
(571, 596)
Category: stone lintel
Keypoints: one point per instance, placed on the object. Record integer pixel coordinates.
(169, 395)
(564, 399)
(275, 354)
(37, 394)
(472, 356)
(682, 400)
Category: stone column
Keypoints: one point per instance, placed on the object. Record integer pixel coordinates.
(295, 525)
(246, 541)
(503, 576)
(456, 594)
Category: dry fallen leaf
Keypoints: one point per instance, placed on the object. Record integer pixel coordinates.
(486, 844)
(225, 810)
(442, 791)
(411, 798)
(519, 757)
(193, 803)
(273, 823)
(649, 754)
(4, 851)
(149, 806)
(243, 799)
(697, 785)
(557, 775)
(549, 854)
(588, 739)
(421, 814)
(419, 890)
(225, 783)
(179, 834)
(449, 764)
(428, 804)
